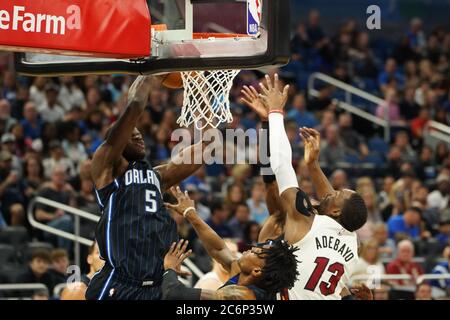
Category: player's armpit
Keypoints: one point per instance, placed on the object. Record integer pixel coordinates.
(235, 293)
(297, 223)
(272, 229)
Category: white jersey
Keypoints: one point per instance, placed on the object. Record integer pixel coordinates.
(327, 256)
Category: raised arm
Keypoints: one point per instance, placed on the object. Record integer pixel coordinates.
(174, 172)
(214, 245)
(109, 155)
(311, 140)
(298, 222)
(274, 225)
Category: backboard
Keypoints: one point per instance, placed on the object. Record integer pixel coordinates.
(184, 35)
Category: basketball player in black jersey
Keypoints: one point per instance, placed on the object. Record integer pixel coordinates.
(135, 229)
(77, 290)
(258, 275)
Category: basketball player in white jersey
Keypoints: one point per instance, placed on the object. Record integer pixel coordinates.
(325, 234)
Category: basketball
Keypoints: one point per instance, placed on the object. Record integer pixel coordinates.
(173, 80)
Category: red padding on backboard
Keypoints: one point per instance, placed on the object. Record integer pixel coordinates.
(100, 28)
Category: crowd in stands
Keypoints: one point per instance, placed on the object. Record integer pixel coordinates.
(50, 128)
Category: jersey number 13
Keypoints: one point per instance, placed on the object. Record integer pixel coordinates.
(326, 288)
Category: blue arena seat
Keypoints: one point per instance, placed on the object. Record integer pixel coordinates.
(378, 145)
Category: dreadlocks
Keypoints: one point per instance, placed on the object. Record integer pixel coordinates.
(280, 269)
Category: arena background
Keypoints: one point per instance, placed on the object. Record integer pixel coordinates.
(405, 180)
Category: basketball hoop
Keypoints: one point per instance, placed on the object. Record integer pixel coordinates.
(207, 98)
(207, 93)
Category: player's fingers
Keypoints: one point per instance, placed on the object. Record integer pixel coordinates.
(250, 91)
(247, 95)
(179, 192)
(254, 91)
(264, 89)
(276, 82)
(184, 256)
(183, 249)
(269, 82)
(305, 133)
(302, 135)
(246, 92)
(170, 206)
(263, 98)
(173, 192)
(247, 102)
(180, 243)
(286, 91)
(314, 132)
(172, 248)
(187, 254)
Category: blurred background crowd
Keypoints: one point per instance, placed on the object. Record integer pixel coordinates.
(50, 128)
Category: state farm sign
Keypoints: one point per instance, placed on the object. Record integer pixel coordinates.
(98, 28)
(20, 19)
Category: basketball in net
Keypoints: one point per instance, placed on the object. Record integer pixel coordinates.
(207, 98)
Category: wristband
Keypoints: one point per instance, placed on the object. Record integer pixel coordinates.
(277, 111)
(187, 210)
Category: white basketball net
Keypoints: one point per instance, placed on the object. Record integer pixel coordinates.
(207, 98)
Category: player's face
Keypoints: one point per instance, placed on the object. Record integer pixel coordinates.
(332, 204)
(135, 149)
(251, 262)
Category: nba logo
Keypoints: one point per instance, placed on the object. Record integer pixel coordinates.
(254, 12)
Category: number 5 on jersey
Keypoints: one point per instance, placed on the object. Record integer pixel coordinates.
(150, 201)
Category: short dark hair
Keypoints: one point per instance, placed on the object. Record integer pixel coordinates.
(353, 213)
(241, 204)
(58, 254)
(41, 254)
(216, 205)
(280, 269)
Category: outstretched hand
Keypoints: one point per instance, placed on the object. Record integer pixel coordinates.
(252, 99)
(311, 140)
(184, 203)
(272, 95)
(362, 292)
(175, 257)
